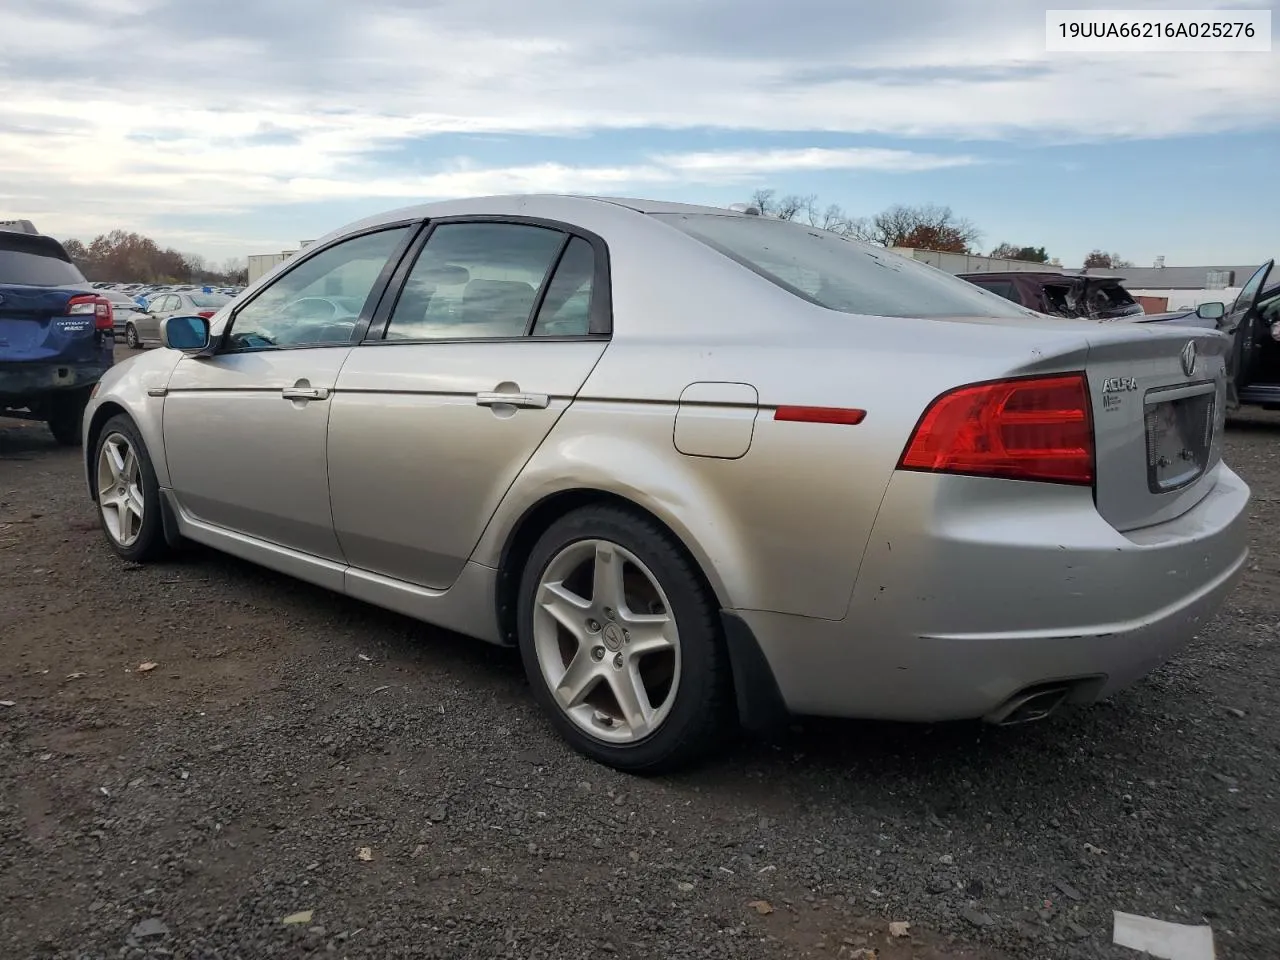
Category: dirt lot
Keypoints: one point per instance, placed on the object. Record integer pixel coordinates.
(296, 751)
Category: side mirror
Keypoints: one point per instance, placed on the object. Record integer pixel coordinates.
(188, 334)
(1211, 311)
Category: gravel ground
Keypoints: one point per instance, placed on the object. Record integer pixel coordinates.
(296, 751)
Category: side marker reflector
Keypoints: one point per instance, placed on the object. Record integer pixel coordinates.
(845, 415)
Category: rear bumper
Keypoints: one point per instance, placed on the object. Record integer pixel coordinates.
(957, 610)
(23, 381)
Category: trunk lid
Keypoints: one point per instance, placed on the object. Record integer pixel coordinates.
(34, 326)
(1159, 410)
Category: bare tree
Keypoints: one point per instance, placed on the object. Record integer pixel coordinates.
(928, 227)
(805, 209)
(781, 208)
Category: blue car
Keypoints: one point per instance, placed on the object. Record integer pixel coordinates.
(56, 332)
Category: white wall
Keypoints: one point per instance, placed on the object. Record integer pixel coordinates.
(1179, 299)
(954, 263)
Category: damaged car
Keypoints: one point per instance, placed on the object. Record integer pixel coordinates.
(1062, 294)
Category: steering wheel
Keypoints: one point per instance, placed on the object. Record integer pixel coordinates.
(310, 309)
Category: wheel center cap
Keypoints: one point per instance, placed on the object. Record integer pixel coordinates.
(612, 637)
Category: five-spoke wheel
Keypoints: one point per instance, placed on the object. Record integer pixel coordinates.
(127, 491)
(606, 641)
(120, 489)
(621, 641)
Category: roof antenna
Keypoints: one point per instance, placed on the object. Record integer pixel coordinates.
(745, 208)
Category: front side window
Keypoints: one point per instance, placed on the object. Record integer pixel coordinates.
(319, 301)
(840, 273)
(1250, 289)
(475, 280)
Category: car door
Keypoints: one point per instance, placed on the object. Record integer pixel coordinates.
(157, 309)
(495, 327)
(245, 426)
(1239, 322)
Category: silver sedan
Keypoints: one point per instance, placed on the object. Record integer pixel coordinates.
(144, 327)
(704, 469)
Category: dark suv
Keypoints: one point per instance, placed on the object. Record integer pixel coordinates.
(1062, 294)
(56, 336)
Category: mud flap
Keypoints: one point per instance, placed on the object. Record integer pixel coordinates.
(761, 709)
(169, 520)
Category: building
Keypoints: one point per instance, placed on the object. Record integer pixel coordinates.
(955, 263)
(1177, 288)
(263, 263)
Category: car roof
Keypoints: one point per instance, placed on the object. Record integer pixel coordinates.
(551, 206)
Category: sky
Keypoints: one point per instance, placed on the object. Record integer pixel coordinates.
(232, 127)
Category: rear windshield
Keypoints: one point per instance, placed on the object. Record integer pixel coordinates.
(1111, 295)
(841, 274)
(37, 261)
(209, 299)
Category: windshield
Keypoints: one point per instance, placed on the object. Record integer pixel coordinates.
(209, 299)
(37, 261)
(842, 274)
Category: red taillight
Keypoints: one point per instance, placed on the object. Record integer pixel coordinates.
(846, 415)
(100, 307)
(1031, 428)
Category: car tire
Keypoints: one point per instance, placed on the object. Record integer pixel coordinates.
(692, 681)
(66, 417)
(131, 337)
(128, 488)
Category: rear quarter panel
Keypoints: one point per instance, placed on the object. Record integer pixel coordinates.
(782, 528)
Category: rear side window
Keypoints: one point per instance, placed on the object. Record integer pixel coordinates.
(566, 309)
(1109, 295)
(838, 273)
(209, 300)
(475, 280)
(35, 260)
(1001, 288)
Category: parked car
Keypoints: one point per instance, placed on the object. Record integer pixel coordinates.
(1252, 321)
(55, 333)
(700, 467)
(1061, 294)
(145, 328)
(124, 310)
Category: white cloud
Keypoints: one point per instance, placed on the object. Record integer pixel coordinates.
(256, 102)
(739, 163)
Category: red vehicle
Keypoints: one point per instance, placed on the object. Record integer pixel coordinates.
(1061, 294)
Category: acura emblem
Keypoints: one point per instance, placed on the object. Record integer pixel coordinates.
(1189, 358)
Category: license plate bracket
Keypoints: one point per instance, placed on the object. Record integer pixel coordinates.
(1179, 428)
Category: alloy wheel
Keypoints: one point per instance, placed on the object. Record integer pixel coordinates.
(120, 496)
(606, 641)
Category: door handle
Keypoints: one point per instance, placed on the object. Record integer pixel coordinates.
(536, 400)
(304, 393)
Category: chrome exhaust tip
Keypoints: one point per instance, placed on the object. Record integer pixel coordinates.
(1029, 706)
